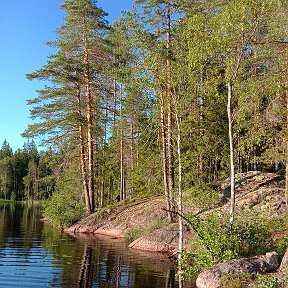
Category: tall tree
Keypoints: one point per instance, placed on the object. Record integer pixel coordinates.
(74, 101)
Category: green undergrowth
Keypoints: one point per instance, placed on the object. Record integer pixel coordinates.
(63, 209)
(236, 281)
(134, 233)
(205, 196)
(215, 242)
(253, 281)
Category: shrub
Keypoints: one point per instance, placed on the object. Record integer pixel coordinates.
(266, 281)
(253, 237)
(63, 209)
(215, 242)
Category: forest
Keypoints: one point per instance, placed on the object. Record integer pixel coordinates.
(200, 85)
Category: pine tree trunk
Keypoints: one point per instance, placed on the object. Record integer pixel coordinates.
(114, 103)
(104, 154)
(131, 154)
(88, 97)
(232, 169)
(82, 154)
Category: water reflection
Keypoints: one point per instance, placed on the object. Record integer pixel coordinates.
(33, 254)
(86, 270)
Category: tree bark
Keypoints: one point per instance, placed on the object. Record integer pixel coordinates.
(131, 154)
(122, 156)
(180, 205)
(164, 157)
(114, 102)
(232, 169)
(88, 97)
(82, 153)
(171, 181)
(104, 153)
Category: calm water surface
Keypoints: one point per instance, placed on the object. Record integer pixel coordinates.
(33, 254)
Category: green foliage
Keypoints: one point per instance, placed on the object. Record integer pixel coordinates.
(66, 205)
(137, 232)
(64, 208)
(202, 196)
(253, 234)
(134, 233)
(266, 281)
(235, 281)
(215, 242)
(155, 224)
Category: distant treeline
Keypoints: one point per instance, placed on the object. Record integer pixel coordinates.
(26, 174)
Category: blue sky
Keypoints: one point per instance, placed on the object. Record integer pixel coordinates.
(25, 26)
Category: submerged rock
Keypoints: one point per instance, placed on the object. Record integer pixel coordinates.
(211, 278)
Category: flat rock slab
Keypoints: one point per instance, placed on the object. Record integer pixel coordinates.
(211, 278)
(161, 240)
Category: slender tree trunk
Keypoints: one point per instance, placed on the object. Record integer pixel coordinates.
(164, 156)
(88, 97)
(104, 154)
(171, 181)
(131, 154)
(122, 157)
(232, 169)
(82, 154)
(137, 142)
(114, 103)
(286, 164)
(201, 129)
(180, 205)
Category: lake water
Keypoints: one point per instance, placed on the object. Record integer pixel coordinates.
(33, 254)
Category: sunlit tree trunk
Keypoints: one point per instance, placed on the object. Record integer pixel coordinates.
(88, 97)
(232, 170)
(122, 156)
(171, 181)
(131, 154)
(164, 155)
(180, 204)
(114, 102)
(82, 153)
(104, 153)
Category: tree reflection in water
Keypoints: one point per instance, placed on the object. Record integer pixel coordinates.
(170, 279)
(56, 259)
(86, 270)
(110, 270)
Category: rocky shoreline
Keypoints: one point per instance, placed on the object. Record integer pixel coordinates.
(254, 190)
